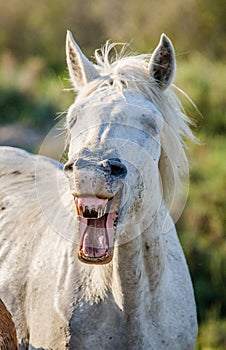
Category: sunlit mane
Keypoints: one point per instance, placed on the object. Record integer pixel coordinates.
(124, 71)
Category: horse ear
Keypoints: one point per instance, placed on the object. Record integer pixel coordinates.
(81, 70)
(162, 65)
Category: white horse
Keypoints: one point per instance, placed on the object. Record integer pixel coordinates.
(92, 259)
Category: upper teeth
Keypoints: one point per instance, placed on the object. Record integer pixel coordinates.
(91, 207)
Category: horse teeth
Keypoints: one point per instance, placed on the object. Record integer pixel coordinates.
(94, 212)
(91, 210)
(79, 210)
(99, 211)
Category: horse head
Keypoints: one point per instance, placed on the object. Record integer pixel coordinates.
(115, 143)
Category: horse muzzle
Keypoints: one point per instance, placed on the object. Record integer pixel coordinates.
(97, 195)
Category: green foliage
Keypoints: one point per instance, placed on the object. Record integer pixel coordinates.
(29, 93)
(204, 82)
(212, 334)
(38, 28)
(203, 224)
(202, 227)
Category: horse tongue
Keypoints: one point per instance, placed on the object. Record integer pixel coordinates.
(95, 238)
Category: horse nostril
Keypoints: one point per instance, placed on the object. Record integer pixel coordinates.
(117, 168)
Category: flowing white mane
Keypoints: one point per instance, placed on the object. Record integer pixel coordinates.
(125, 71)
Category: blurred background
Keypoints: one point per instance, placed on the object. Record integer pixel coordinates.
(34, 93)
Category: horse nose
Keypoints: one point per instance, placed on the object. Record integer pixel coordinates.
(114, 167)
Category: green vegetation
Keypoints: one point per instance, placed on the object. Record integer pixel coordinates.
(204, 81)
(202, 232)
(32, 80)
(29, 93)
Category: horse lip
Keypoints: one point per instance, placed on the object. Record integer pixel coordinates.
(105, 259)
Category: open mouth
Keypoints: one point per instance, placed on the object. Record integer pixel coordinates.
(97, 226)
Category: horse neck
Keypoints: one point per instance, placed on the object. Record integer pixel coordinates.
(138, 267)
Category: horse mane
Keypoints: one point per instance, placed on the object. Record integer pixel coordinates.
(122, 70)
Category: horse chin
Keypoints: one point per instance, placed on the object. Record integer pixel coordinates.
(97, 219)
